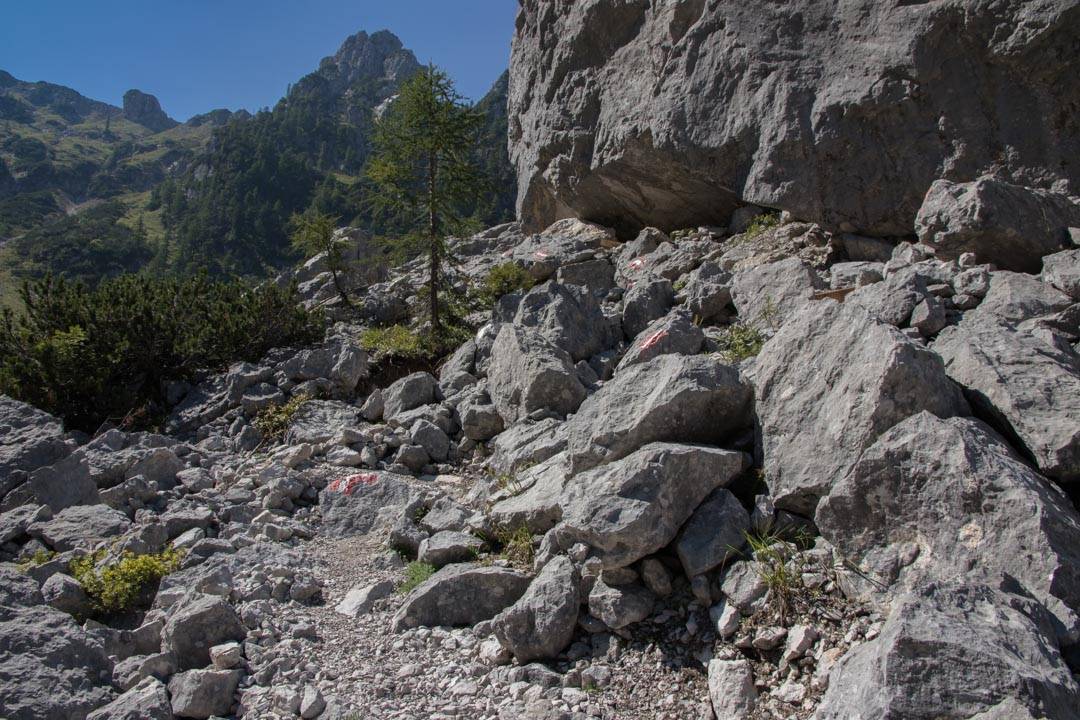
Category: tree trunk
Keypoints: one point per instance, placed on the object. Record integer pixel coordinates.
(433, 243)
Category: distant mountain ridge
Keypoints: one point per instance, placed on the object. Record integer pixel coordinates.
(212, 193)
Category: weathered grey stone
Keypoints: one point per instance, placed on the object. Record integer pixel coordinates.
(656, 577)
(227, 655)
(17, 587)
(714, 533)
(527, 373)
(130, 672)
(339, 360)
(378, 501)
(360, 600)
(317, 421)
(50, 668)
(412, 457)
(770, 294)
(372, 410)
(1025, 385)
(65, 484)
(29, 439)
(949, 500)
(616, 111)
(569, 317)
(432, 439)
(480, 421)
(1015, 297)
(408, 393)
(312, 703)
(1008, 225)
(449, 546)
(203, 693)
(855, 274)
(565, 242)
(149, 700)
(635, 506)
(731, 688)
(197, 624)
(648, 299)
(541, 623)
(619, 606)
(14, 523)
(954, 652)
(462, 594)
(598, 275)
(527, 444)
(833, 377)
(64, 593)
(1062, 270)
(674, 398)
(707, 293)
(80, 527)
(743, 585)
(673, 334)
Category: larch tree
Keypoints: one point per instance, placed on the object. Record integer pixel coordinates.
(424, 168)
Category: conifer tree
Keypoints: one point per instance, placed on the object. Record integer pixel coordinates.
(424, 168)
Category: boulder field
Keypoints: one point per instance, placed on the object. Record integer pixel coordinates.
(740, 474)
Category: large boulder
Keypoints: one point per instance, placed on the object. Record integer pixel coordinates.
(674, 333)
(408, 393)
(566, 242)
(828, 384)
(149, 700)
(670, 114)
(769, 294)
(541, 623)
(80, 527)
(339, 360)
(199, 623)
(527, 373)
(29, 439)
(317, 421)
(50, 668)
(203, 694)
(1015, 297)
(1008, 225)
(635, 506)
(1062, 270)
(677, 398)
(949, 500)
(65, 484)
(714, 533)
(569, 317)
(461, 595)
(953, 652)
(1025, 385)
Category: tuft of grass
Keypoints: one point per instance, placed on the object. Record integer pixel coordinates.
(517, 545)
(773, 551)
(740, 341)
(117, 587)
(679, 284)
(38, 559)
(273, 421)
(394, 342)
(502, 280)
(762, 223)
(416, 573)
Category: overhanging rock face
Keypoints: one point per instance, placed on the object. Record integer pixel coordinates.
(640, 112)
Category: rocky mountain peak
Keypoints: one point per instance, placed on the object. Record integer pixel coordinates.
(378, 56)
(144, 109)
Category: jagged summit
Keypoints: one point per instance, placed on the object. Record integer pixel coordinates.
(379, 55)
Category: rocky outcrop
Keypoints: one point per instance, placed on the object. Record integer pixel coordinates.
(144, 109)
(672, 114)
(955, 652)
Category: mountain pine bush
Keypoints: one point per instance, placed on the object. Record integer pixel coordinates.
(92, 355)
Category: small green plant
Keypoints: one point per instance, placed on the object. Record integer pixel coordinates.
(772, 551)
(679, 284)
(517, 545)
(740, 341)
(508, 481)
(501, 280)
(769, 313)
(761, 224)
(38, 559)
(416, 573)
(394, 342)
(273, 421)
(118, 586)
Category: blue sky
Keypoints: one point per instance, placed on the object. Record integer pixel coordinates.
(197, 55)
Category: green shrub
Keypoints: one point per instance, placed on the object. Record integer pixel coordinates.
(501, 280)
(416, 573)
(272, 422)
(117, 587)
(91, 355)
(762, 223)
(394, 342)
(38, 559)
(517, 545)
(740, 341)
